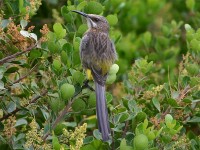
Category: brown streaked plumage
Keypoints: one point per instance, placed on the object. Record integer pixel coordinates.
(98, 53)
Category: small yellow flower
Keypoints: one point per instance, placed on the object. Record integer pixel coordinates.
(74, 138)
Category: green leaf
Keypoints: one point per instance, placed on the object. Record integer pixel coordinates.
(69, 49)
(9, 7)
(67, 15)
(109, 97)
(112, 19)
(45, 113)
(98, 145)
(147, 38)
(23, 23)
(190, 4)
(82, 29)
(111, 78)
(78, 105)
(78, 77)
(64, 57)
(62, 42)
(64, 10)
(186, 80)
(123, 144)
(158, 132)
(76, 43)
(151, 135)
(92, 100)
(58, 130)
(2, 70)
(128, 148)
(1, 126)
(171, 125)
(93, 8)
(156, 103)
(21, 5)
(1, 85)
(133, 106)
(88, 147)
(81, 5)
(11, 107)
(51, 37)
(12, 70)
(145, 124)
(88, 139)
(53, 47)
(56, 144)
(141, 116)
(172, 102)
(97, 134)
(187, 27)
(194, 119)
(20, 122)
(4, 23)
(20, 137)
(3, 141)
(35, 53)
(59, 31)
(124, 117)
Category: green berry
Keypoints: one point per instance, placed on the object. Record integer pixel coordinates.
(114, 69)
(56, 64)
(140, 142)
(67, 91)
(78, 105)
(111, 78)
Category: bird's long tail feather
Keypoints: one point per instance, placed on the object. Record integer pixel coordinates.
(102, 111)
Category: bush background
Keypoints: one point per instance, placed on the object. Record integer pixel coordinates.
(156, 92)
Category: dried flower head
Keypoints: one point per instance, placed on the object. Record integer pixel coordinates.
(9, 127)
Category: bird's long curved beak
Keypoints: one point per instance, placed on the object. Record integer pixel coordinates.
(81, 13)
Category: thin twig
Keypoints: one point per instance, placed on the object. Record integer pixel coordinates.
(18, 109)
(125, 129)
(23, 77)
(182, 94)
(4, 60)
(59, 118)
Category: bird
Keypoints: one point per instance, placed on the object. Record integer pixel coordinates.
(97, 54)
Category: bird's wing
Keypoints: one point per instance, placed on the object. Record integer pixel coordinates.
(97, 54)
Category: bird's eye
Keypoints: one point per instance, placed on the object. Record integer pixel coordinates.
(95, 19)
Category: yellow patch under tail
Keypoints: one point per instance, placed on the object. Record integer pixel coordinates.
(89, 74)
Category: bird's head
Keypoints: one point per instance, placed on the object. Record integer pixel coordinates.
(95, 21)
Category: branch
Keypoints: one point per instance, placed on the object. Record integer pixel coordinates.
(4, 60)
(18, 109)
(125, 129)
(59, 118)
(181, 95)
(66, 109)
(23, 77)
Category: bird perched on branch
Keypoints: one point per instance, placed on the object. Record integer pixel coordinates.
(97, 54)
